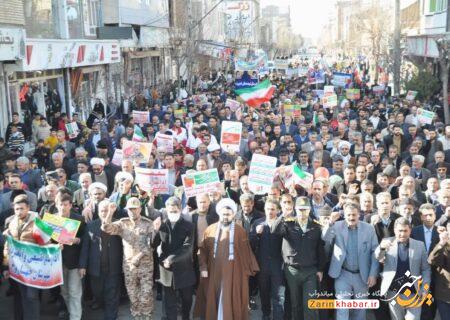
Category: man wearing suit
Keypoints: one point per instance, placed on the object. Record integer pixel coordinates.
(352, 265)
(427, 233)
(418, 172)
(174, 240)
(16, 186)
(401, 255)
(267, 248)
(104, 265)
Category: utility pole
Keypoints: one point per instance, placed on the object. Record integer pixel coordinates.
(397, 54)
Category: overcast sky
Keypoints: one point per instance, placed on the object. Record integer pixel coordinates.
(307, 16)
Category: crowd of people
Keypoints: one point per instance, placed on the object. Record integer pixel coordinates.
(376, 214)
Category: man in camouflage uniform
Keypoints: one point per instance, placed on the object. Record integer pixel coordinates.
(136, 233)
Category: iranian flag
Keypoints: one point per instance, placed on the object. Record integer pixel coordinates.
(138, 135)
(42, 232)
(302, 178)
(255, 96)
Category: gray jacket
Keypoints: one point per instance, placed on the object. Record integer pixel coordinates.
(418, 265)
(336, 239)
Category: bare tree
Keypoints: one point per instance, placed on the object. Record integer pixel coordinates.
(443, 48)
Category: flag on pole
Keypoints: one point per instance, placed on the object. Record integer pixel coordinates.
(302, 178)
(42, 232)
(255, 96)
(138, 135)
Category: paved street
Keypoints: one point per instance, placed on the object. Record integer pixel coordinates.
(49, 311)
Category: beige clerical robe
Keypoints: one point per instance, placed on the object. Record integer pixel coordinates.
(228, 278)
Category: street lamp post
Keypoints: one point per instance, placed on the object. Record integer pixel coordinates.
(443, 48)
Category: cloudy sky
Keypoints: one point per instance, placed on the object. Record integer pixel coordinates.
(307, 16)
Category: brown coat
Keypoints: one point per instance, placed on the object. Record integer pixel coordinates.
(440, 258)
(234, 278)
(24, 234)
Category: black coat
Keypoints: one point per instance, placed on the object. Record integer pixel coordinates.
(95, 247)
(74, 256)
(385, 232)
(176, 246)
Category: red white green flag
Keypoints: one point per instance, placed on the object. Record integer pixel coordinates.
(302, 178)
(257, 95)
(138, 135)
(42, 232)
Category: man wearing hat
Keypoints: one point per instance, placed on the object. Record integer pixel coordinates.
(227, 261)
(137, 233)
(97, 193)
(100, 174)
(304, 257)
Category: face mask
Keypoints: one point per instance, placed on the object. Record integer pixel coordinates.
(173, 217)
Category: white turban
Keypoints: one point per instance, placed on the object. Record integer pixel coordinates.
(343, 143)
(226, 203)
(97, 185)
(213, 147)
(98, 161)
(122, 175)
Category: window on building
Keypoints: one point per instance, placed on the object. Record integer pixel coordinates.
(435, 6)
(39, 19)
(91, 17)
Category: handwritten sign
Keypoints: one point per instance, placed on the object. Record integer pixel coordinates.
(117, 157)
(353, 94)
(141, 117)
(154, 180)
(425, 116)
(262, 172)
(64, 229)
(33, 265)
(137, 151)
(196, 183)
(165, 142)
(411, 95)
(230, 138)
(72, 130)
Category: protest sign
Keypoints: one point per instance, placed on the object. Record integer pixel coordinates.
(378, 90)
(302, 71)
(329, 101)
(411, 95)
(341, 79)
(165, 142)
(288, 109)
(318, 93)
(262, 172)
(180, 113)
(245, 81)
(154, 180)
(232, 104)
(353, 94)
(141, 117)
(33, 265)
(316, 77)
(230, 137)
(64, 229)
(200, 99)
(328, 90)
(72, 130)
(425, 116)
(291, 73)
(117, 157)
(196, 183)
(136, 151)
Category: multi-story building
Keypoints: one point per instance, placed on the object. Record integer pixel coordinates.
(432, 22)
(12, 49)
